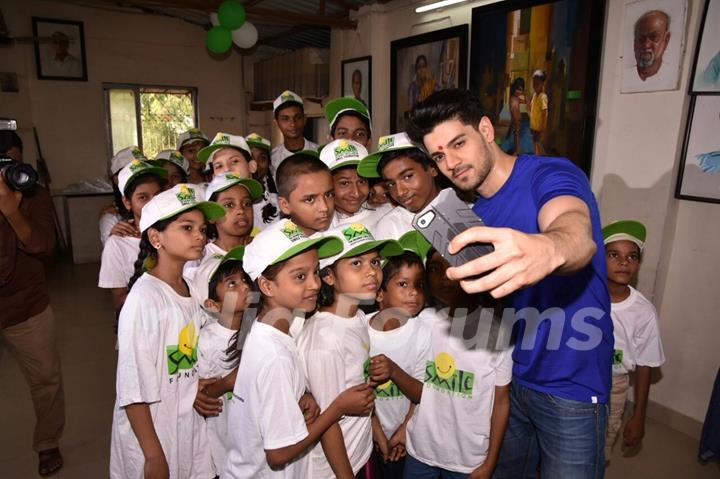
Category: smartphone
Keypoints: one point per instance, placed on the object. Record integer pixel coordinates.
(445, 217)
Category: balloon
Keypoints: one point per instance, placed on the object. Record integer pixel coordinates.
(214, 19)
(231, 14)
(245, 36)
(218, 39)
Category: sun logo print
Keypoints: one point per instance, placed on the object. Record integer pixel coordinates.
(344, 150)
(444, 375)
(136, 165)
(287, 96)
(184, 355)
(137, 153)
(186, 195)
(356, 232)
(292, 231)
(386, 142)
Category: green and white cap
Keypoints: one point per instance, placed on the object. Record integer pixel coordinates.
(136, 168)
(226, 180)
(191, 136)
(286, 97)
(625, 230)
(207, 270)
(414, 241)
(338, 106)
(123, 158)
(356, 240)
(386, 144)
(172, 156)
(180, 198)
(256, 141)
(225, 140)
(281, 241)
(339, 153)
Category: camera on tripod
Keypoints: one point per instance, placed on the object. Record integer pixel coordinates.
(18, 176)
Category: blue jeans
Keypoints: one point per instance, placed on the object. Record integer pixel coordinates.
(564, 438)
(415, 469)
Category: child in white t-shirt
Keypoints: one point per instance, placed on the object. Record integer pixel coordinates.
(270, 435)
(334, 343)
(638, 348)
(154, 431)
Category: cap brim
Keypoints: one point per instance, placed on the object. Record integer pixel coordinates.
(210, 209)
(368, 166)
(288, 103)
(343, 164)
(327, 246)
(625, 230)
(235, 254)
(205, 154)
(341, 105)
(190, 141)
(253, 186)
(262, 146)
(387, 248)
(155, 170)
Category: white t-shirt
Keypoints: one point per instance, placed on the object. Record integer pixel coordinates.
(451, 426)
(334, 352)
(637, 337)
(117, 265)
(367, 216)
(279, 153)
(106, 223)
(395, 224)
(409, 347)
(665, 79)
(198, 275)
(157, 355)
(265, 413)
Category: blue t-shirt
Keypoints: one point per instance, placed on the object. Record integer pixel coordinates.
(571, 355)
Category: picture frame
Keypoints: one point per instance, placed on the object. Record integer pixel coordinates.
(705, 76)
(356, 74)
(59, 49)
(445, 54)
(560, 40)
(699, 171)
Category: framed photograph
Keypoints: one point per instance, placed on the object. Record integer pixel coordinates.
(59, 49)
(423, 64)
(706, 68)
(539, 82)
(699, 175)
(357, 79)
(653, 45)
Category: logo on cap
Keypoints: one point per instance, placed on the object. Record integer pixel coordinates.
(344, 150)
(233, 176)
(386, 142)
(292, 231)
(287, 96)
(136, 165)
(137, 153)
(357, 232)
(186, 195)
(221, 138)
(195, 131)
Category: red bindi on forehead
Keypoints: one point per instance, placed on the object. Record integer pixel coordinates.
(440, 147)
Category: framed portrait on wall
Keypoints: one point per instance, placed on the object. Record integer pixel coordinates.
(59, 49)
(706, 67)
(539, 82)
(356, 79)
(699, 174)
(422, 64)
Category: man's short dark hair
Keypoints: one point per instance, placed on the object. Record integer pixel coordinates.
(286, 177)
(443, 105)
(9, 139)
(417, 155)
(357, 115)
(288, 104)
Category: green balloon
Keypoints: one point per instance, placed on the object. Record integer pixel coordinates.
(218, 39)
(231, 14)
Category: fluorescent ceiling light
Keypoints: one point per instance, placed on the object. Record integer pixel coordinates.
(436, 5)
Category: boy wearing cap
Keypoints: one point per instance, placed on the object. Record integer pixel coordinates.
(638, 347)
(409, 177)
(289, 117)
(266, 210)
(349, 119)
(175, 164)
(228, 153)
(188, 144)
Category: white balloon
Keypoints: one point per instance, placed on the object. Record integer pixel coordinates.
(214, 19)
(246, 36)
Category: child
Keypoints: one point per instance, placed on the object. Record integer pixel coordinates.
(349, 119)
(188, 144)
(539, 111)
(228, 153)
(153, 432)
(139, 182)
(637, 339)
(175, 164)
(445, 292)
(409, 177)
(289, 117)
(270, 436)
(111, 218)
(305, 192)
(334, 343)
(378, 194)
(351, 190)
(266, 210)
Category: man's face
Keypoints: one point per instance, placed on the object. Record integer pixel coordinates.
(262, 160)
(352, 128)
(461, 153)
(651, 40)
(409, 184)
(291, 121)
(311, 203)
(60, 45)
(190, 151)
(357, 84)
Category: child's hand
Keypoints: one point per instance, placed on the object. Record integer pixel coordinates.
(356, 401)
(156, 468)
(382, 445)
(398, 437)
(634, 431)
(125, 228)
(205, 404)
(382, 369)
(396, 453)
(485, 471)
(309, 408)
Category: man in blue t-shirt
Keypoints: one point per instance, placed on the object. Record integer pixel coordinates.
(547, 266)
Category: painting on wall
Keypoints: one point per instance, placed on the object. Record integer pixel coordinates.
(422, 64)
(539, 83)
(356, 79)
(699, 174)
(59, 49)
(706, 69)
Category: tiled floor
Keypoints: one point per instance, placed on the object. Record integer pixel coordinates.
(87, 347)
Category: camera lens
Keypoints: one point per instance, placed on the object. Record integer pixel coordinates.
(20, 177)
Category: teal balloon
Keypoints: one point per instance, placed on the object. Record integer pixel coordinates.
(218, 39)
(231, 14)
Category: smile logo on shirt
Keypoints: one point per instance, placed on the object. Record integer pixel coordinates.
(444, 375)
(444, 365)
(184, 355)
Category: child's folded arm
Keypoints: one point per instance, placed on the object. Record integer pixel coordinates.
(383, 368)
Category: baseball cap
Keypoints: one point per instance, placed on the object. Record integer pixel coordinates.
(224, 140)
(338, 106)
(286, 97)
(414, 241)
(625, 230)
(136, 168)
(209, 267)
(172, 156)
(281, 241)
(256, 141)
(356, 240)
(191, 136)
(386, 144)
(123, 157)
(226, 180)
(339, 153)
(171, 202)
